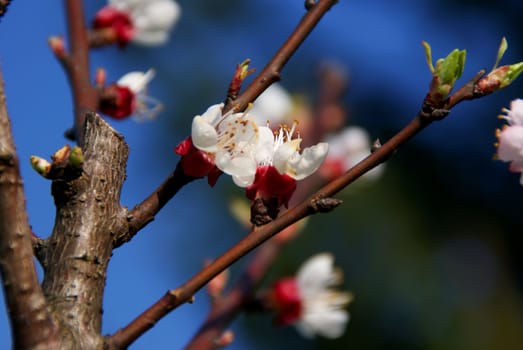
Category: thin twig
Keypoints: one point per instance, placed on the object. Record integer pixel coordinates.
(144, 212)
(85, 97)
(148, 208)
(271, 72)
(3, 6)
(185, 293)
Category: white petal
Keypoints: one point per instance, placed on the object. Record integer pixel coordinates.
(511, 144)
(125, 4)
(351, 140)
(309, 161)
(516, 112)
(204, 136)
(330, 324)
(156, 16)
(314, 275)
(150, 38)
(213, 114)
(136, 81)
(242, 169)
(283, 153)
(265, 147)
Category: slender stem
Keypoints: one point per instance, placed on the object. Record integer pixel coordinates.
(3, 6)
(271, 72)
(174, 298)
(144, 212)
(226, 308)
(85, 97)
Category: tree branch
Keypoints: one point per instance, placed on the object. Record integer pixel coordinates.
(271, 72)
(3, 6)
(144, 212)
(31, 324)
(85, 96)
(185, 293)
(88, 216)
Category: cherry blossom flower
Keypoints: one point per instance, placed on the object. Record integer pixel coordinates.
(145, 22)
(510, 137)
(309, 303)
(220, 143)
(347, 149)
(279, 164)
(128, 96)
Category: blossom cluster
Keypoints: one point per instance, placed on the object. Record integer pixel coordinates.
(144, 22)
(266, 163)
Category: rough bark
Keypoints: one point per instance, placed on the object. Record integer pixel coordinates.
(31, 324)
(88, 216)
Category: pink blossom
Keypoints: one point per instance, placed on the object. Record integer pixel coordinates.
(510, 137)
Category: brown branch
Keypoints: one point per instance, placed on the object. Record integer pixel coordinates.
(3, 6)
(174, 298)
(143, 213)
(313, 204)
(226, 308)
(39, 248)
(31, 324)
(271, 72)
(85, 96)
(88, 215)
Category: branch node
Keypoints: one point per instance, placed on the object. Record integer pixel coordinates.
(324, 204)
(309, 4)
(430, 113)
(376, 145)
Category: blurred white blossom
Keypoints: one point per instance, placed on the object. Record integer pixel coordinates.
(346, 149)
(145, 22)
(273, 106)
(309, 302)
(128, 96)
(510, 137)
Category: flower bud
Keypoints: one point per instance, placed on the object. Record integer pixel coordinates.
(76, 157)
(42, 166)
(444, 74)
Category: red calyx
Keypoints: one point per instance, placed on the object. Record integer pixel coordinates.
(197, 163)
(117, 102)
(117, 20)
(269, 183)
(288, 302)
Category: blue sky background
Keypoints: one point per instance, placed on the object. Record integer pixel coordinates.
(430, 250)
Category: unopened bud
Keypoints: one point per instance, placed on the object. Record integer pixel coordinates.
(499, 78)
(225, 339)
(444, 74)
(100, 77)
(57, 45)
(61, 155)
(76, 157)
(42, 166)
(216, 286)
